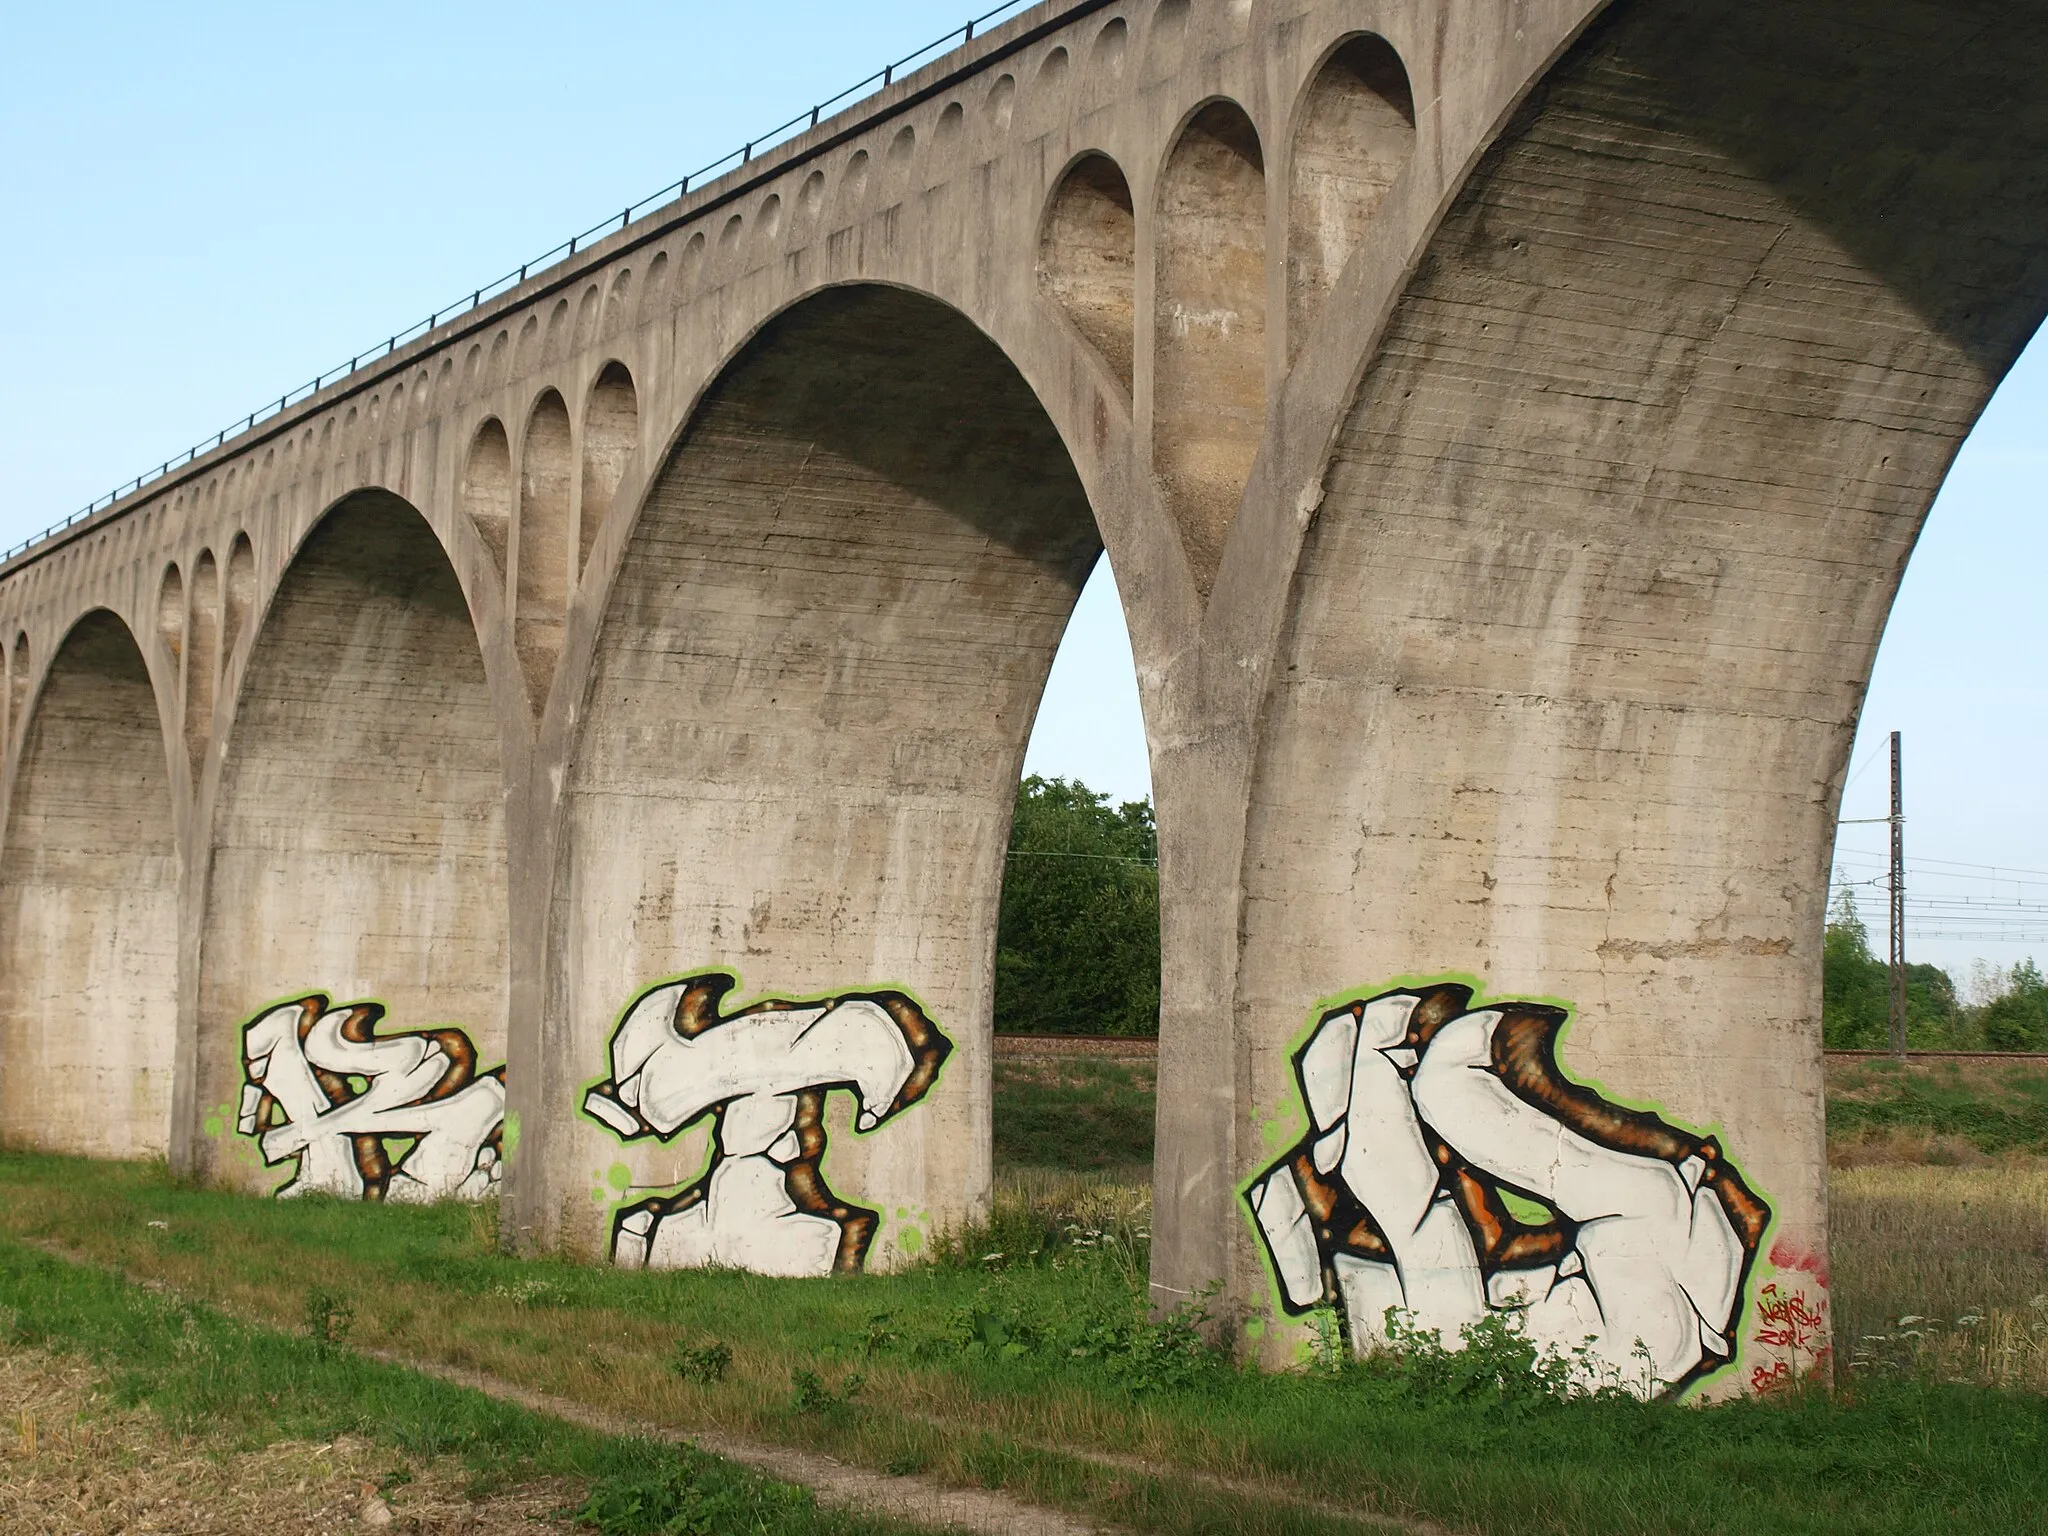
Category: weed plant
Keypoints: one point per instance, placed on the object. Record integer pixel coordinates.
(704, 1364)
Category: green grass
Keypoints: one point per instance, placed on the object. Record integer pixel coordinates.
(204, 1373)
(1993, 1108)
(1006, 1373)
(1077, 1113)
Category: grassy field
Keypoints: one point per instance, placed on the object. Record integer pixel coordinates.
(1022, 1358)
(1035, 1372)
(244, 1416)
(1942, 1112)
(1075, 1113)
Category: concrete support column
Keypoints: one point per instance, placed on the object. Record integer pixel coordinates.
(784, 820)
(1526, 991)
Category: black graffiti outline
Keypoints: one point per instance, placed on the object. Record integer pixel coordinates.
(1524, 1058)
(699, 1010)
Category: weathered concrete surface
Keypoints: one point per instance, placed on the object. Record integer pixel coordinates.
(361, 812)
(88, 1003)
(829, 635)
(1508, 422)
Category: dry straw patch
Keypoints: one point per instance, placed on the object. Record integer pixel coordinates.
(1943, 1270)
(75, 1464)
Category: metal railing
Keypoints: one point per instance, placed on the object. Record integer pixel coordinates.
(803, 122)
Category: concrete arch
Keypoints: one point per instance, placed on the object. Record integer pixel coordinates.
(88, 908)
(611, 431)
(1354, 131)
(543, 541)
(1088, 254)
(487, 489)
(240, 587)
(856, 563)
(1581, 630)
(202, 652)
(358, 844)
(1209, 325)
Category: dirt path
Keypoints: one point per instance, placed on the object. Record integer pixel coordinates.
(912, 1498)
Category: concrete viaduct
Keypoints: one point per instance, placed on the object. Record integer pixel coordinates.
(1508, 421)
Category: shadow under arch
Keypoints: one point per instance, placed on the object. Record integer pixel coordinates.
(808, 705)
(88, 909)
(358, 845)
(1579, 636)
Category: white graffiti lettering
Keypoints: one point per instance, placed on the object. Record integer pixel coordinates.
(324, 1088)
(1452, 1169)
(762, 1074)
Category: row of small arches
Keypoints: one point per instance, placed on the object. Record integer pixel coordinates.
(539, 513)
(15, 661)
(604, 310)
(200, 618)
(1210, 238)
(1355, 133)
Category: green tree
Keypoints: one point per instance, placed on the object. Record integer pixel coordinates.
(2017, 1019)
(1855, 1006)
(1856, 993)
(1077, 942)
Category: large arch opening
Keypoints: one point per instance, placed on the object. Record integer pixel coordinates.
(89, 909)
(358, 857)
(1580, 634)
(1958, 677)
(807, 718)
(1077, 944)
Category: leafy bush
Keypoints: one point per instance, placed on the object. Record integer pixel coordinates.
(1495, 1362)
(705, 1364)
(2018, 1019)
(1077, 941)
(675, 1496)
(810, 1394)
(1856, 994)
(329, 1318)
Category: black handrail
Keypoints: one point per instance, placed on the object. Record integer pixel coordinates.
(674, 191)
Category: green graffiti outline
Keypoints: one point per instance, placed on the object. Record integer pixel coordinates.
(635, 1192)
(230, 1132)
(1756, 1270)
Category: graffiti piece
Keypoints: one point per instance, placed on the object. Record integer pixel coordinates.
(762, 1075)
(368, 1116)
(1451, 1168)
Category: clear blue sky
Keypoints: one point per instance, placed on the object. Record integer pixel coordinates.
(208, 205)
